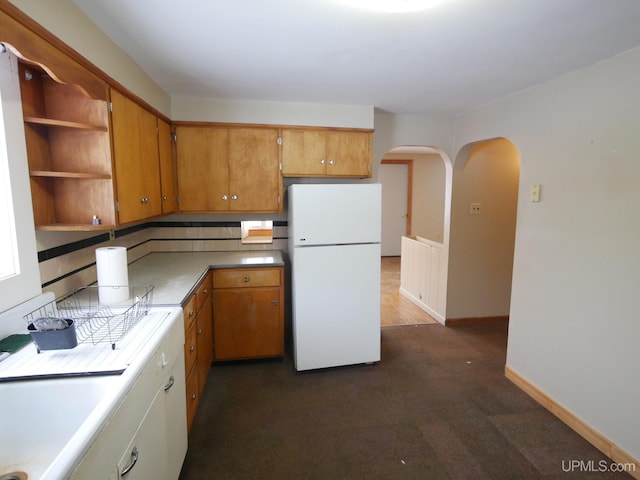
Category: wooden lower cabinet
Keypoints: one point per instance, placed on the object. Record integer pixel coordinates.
(198, 346)
(248, 313)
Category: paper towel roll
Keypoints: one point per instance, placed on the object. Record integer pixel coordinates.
(113, 275)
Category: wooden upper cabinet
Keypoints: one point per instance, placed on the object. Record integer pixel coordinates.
(167, 171)
(202, 167)
(224, 168)
(255, 183)
(308, 152)
(303, 152)
(135, 149)
(68, 150)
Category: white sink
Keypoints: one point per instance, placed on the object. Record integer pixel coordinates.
(43, 421)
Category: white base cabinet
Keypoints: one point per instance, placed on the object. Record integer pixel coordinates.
(147, 436)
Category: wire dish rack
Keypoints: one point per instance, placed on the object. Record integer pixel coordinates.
(94, 321)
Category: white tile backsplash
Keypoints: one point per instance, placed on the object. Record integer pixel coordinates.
(59, 270)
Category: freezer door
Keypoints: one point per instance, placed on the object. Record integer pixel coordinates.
(334, 214)
(336, 305)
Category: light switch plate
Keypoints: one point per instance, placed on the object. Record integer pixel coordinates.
(535, 193)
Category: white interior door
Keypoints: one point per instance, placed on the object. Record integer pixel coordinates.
(394, 180)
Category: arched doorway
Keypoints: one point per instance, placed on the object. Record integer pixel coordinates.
(427, 208)
(482, 230)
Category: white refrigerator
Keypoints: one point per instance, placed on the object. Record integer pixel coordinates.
(334, 246)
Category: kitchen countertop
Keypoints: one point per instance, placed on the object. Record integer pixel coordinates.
(175, 274)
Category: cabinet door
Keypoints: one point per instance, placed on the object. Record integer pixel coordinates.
(247, 323)
(135, 146)
(204, 331)
(145, 456)
(303, 153)
(175, 411)
(202, 167)
(254, 169)
(167, 174)
(349, 154)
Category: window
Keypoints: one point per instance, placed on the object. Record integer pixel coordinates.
(8, 245)
(19, 274)
(257, 231)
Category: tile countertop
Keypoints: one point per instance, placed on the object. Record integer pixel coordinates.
(175, 274)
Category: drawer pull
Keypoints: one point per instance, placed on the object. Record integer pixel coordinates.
(191, 313)
(193, 396)
(192, 349)
(170, 383)
(246, 279)
(134, 460)
(200, 332)
(274, 303)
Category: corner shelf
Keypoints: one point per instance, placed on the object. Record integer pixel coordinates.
(69, 153)
(78, 175)
(50, 122)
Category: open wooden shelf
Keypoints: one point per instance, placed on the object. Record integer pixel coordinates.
(79, 175)
(50, 122)
(68, 149)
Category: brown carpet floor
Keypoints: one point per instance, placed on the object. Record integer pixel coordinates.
(437, 406)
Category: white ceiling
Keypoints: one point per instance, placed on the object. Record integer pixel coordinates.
(455, 57)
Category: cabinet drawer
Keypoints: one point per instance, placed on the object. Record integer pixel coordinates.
(190, 348)
(203, 292)
(246, 277)
(193, 398)
(189, 311)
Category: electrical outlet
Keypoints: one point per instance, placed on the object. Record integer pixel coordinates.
(475, 208)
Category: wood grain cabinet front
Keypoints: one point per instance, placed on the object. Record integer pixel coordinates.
(308, 152)
(225, 168)
(198, 347)
(136, 156)
(248, 313)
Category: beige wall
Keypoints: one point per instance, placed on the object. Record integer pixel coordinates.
(66, 21)
(428, 197)
(428, 200)
(481, 246)
(574, 327)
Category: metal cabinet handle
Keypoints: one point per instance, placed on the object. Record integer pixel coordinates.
(322, 161)
(134, 460)
(191, 313)
(193, 396)
(192, 349)
(224, 197)
(234, 197)
(164, 197)
(246, 279)
(199, 331)
(274, 303)
(170, 383)
(330, 162)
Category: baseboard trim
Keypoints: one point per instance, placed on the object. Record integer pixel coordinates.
(422, 306)
(452, 322)
(586, 431)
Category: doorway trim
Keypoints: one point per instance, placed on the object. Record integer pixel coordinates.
(409, 164)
